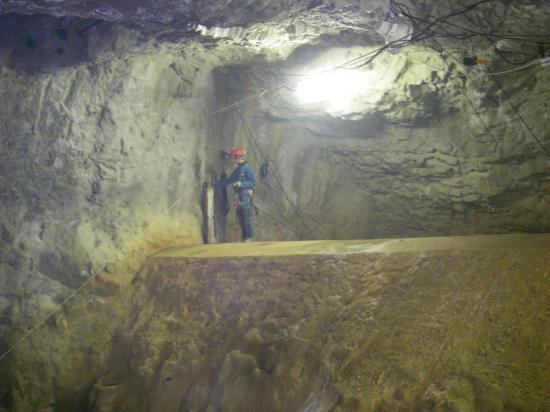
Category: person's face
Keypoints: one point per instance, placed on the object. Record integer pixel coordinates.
(238, 159)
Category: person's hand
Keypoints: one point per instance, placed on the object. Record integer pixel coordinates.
(237, 184)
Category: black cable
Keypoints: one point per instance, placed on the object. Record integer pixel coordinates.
(488, 36)
(424, 34)
(427, 32)
(279, 221)
(251, 137)
(370, 56)
(514, 37)
(307, 229)
(535, 137)
(470, 100)
(284, 195)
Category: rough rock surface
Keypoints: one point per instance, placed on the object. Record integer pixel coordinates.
(112, 118)
(164, 13)
(414, 324)
(434, 148)
(80, 182)
(81, 149)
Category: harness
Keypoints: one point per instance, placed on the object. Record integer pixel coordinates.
(243, 192)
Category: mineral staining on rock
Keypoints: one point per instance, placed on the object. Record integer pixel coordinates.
(407, 324)
(108, 129)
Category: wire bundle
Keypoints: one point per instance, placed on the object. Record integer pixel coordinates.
(442, 27)
(431, 27)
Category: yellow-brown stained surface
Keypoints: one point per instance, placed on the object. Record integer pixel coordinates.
(331, 247)
(443, 324)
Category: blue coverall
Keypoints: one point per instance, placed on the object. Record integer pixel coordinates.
(244, 174)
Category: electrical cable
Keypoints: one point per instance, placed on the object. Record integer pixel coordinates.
(80, 288)
(369, 57)
(516, 109)
(516, 69)
(487, 128)
(279, 221)
(513, 37)
(283, 191)
(358, 62)
(488, 36)
(252, 97)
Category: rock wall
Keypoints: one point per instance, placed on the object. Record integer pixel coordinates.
(107, 136)
(105, 149)
(429, 147)
(418, 324)
(101, 163)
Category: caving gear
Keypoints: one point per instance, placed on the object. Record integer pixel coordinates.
(237, 152)
(247, 180)
(224, 198)
(244, 192)
(247, 194)
(264, 170)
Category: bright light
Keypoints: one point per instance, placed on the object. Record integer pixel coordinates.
(336, 89)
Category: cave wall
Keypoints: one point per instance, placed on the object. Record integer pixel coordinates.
(452, 324)
(106, 145)
(433, 149)
(105, 148)
(101, 163)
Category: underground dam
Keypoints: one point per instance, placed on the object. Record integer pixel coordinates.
(274, 206)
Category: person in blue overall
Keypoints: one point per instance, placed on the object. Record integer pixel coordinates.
(243, 181)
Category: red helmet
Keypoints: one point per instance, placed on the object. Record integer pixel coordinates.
(237, 152)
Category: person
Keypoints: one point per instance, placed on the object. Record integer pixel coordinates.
(244, 182)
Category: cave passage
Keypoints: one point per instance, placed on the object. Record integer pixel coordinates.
(388, 248)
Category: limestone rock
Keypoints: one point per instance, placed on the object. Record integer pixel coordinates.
(410, 324)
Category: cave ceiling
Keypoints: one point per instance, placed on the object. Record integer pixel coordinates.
(293, 37)
(182, 13)
(491, 27)
(341, 16)
(507, 33)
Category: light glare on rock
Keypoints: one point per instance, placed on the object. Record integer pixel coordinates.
(334, 89)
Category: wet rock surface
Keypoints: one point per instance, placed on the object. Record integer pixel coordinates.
(412, 324)
(112, 117)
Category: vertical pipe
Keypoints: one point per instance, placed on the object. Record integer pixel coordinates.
(210, 233)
